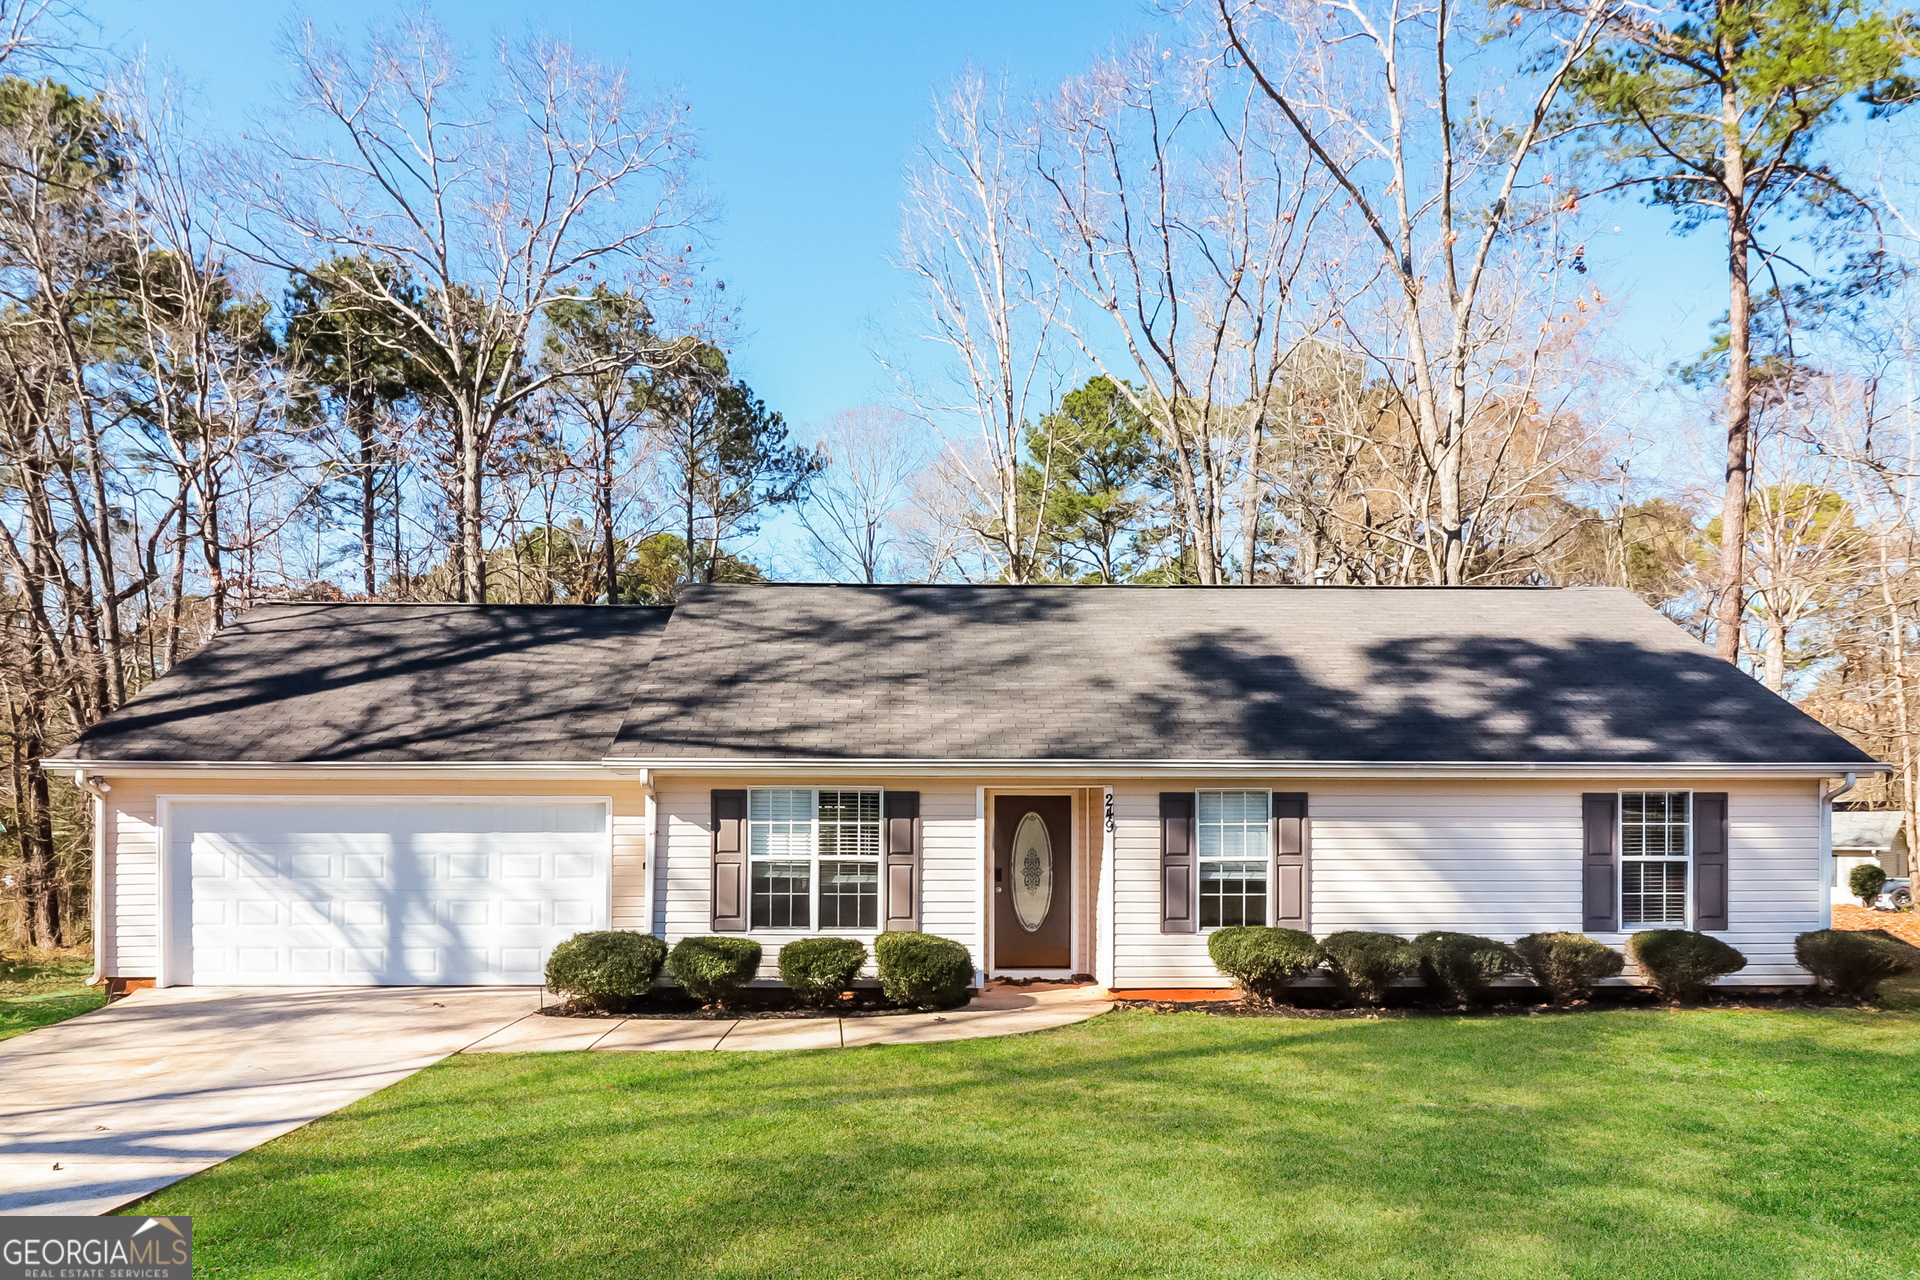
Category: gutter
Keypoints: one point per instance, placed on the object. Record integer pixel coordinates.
(576, 770)
(880, 767)
(645, 769)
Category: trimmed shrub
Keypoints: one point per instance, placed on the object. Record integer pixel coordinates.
(1366, 964)
(923, 970)
(1682, 964)
(1263, 962)
(712, 969)
(1566, 965)
(817, 970)
(1463, 965)
(1854, 962)
(1865, 882)
(607, 969)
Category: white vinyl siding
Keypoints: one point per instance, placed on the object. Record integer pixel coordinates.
(1496, 858)
(1499, 859)
(950, 869)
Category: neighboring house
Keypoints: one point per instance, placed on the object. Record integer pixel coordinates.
(1860, 837)
(1064, 779)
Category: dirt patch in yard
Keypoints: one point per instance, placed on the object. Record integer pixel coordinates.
(1904, 925)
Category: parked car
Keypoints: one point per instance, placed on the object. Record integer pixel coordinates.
(1895, 895)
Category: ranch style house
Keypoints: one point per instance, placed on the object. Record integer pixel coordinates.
(1065, 780)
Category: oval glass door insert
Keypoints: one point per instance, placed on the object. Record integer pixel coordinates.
(1032, 872)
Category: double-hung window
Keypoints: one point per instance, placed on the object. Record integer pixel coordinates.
(815, 858)
(1234, 857)
(1656, 857)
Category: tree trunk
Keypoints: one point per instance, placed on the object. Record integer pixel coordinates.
(1776, 671)
(1897, 638)
(36, 826)
(364, 438)
(1250, 494)
(1733, 512)
(179, 582)
(609, 546)
(472, 552)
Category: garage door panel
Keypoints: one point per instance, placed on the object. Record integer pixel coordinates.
(376, 892)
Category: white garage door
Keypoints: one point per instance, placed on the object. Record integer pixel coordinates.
(380, 893)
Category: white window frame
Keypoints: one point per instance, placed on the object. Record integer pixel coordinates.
(1199, 860)
(1620, 844)
(813, 859)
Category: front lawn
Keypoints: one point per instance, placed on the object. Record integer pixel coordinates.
(1712, 1144)
(43, 990)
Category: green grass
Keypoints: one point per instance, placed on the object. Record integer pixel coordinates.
(40, 992)
(1713, 1143)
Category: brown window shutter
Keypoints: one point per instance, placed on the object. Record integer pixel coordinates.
(903, 859)
(1291, 849)
(1177, 906)
(1600, 867)
(1709, 860)
(729, 861)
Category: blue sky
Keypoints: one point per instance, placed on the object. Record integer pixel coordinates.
(807, 113)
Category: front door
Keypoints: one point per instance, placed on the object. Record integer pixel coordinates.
(1032, 901)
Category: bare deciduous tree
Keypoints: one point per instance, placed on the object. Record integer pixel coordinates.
(495, 199)
(1380, 95)
(989, 298)
(873, 455)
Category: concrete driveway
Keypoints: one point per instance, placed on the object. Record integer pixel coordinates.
(108, 1107)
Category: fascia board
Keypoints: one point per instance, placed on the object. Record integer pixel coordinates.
(567, 771)
(1232, 768)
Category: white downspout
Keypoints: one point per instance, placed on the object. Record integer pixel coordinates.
(650, 847)
(98, 789)
(1827, 797)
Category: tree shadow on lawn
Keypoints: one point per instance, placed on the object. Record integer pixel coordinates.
(1619, 1144)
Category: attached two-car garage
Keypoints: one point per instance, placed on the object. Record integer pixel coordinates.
(378, 892)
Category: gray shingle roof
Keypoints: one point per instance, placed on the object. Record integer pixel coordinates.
(1497, 676)
(425, 683)
(1513, 676)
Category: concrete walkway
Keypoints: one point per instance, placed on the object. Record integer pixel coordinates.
(1000, 1010)
(102, 1109)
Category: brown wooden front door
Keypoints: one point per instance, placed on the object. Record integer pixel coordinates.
(1032, 882)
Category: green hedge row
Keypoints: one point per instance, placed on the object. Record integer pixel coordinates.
(612, 968)
(1264, 962)
(1679, 963)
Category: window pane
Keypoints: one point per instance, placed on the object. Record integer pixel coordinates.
(1232, 893)
(849, 895)
(1653, 891)
(780, 804)
(781, 892)
(1656, 824)
(1232, 824)
(850, 824)
(780, 822)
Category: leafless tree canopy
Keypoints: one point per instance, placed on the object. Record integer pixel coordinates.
(1299, 296)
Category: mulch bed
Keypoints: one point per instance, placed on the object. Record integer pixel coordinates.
(751, 1003)
(1528, 1005)
(1904, 925)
